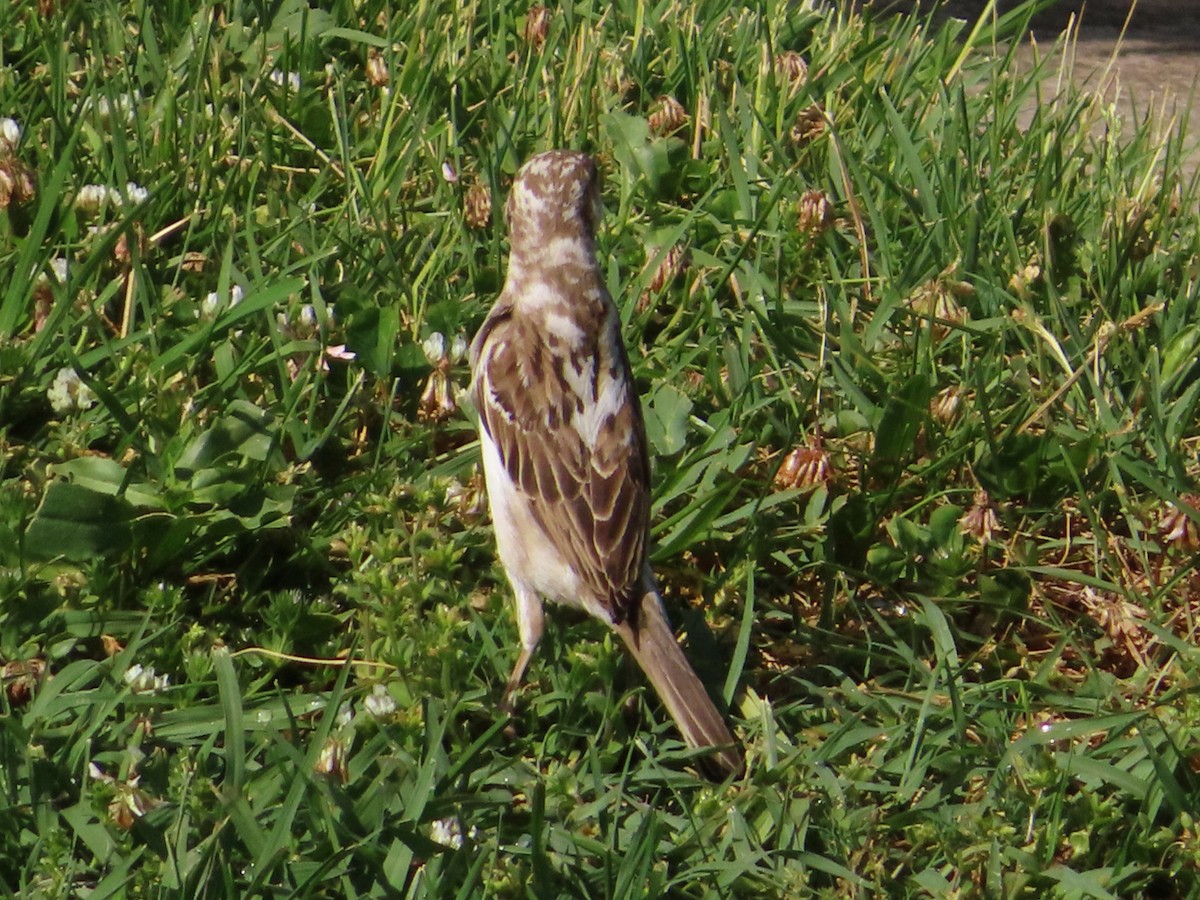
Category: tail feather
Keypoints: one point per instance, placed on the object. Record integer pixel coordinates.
(653, 645)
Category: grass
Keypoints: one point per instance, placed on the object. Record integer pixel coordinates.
(917, 340)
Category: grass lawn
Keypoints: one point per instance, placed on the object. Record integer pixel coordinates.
(917, 342)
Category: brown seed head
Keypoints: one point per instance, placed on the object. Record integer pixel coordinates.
(792, 67)
(804, 468)
(193, 261)
(377, 69)
(437, 403)
(814, 213)
(332, 761)
(1178, 529)
(617, 80)
(810, 125)
(17, 182)
(980, 520)
(537, 25)
(122, 252)
(672, 265)
(937, 300)
(477, 205)
(43, 303)
(21, 678)
(944, 407)
(668, 117)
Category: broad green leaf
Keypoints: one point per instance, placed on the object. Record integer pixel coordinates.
(667, 412)
(242, 432)
(77, 523)
(106, 476)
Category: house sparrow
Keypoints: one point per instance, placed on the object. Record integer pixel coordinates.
(564, 445)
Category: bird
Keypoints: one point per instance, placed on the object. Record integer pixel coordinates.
(563, 443)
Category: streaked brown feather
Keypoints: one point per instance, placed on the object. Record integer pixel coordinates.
(593, 506)
(570, 492)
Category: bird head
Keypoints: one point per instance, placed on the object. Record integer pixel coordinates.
(556, 194)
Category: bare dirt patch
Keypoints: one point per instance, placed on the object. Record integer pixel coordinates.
(1145, 56)
(1157, 57)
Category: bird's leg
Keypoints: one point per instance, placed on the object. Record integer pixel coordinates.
(529, 624)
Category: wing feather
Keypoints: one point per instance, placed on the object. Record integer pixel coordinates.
(588, 493)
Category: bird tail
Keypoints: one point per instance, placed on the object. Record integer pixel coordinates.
(652, 643)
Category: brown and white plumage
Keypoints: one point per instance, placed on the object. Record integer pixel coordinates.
(564, 445)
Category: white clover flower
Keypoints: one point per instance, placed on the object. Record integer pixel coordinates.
(446, 832)
(459, 348)
(10, 133)
(379, 703)
(345, 715)
(308, 316)
(209, 305)
(291, 79)
(143, 680)
(448, 173)
(58, 268)
(134, 674)
(68, 392)
(434, 347)
(136, 194)
(92, 198)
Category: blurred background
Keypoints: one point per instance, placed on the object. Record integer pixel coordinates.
(1176, 18)
(1157, 58)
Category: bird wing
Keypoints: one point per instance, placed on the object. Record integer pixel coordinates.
(569, 431)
